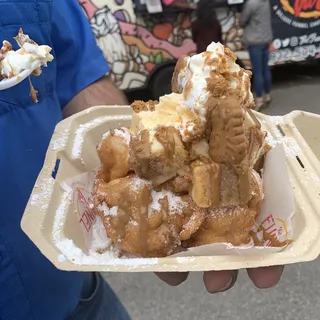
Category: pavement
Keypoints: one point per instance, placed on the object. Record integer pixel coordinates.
(297, 295)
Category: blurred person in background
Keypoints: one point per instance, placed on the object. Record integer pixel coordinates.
(255, 19)
(206, 27)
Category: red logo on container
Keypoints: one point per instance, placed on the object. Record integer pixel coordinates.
(84, 208)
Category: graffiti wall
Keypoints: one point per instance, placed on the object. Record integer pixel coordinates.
(134, 45)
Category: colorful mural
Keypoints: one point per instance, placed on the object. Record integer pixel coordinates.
(134, 45)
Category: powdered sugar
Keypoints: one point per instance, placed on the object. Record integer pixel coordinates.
(107, 258)
(276, 120)
(124, 134)
(42, 197)
(106, 135)
(121, 132)
(59, 219)
(176, 204)
(79, 138)
(155, 205)
(137, 183)
(35, 198)
(83, 128)
(113, 211)
(100, 241)
(225, 211)
(290, 145)
(185, 259)
(59, 140)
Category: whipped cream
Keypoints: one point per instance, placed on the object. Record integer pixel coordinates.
(192, 80)
(170, 111)
(186, 110)
(14, 62)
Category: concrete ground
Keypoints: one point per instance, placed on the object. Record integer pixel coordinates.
(297, 297)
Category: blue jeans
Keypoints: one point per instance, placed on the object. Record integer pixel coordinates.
(101, 304)
(259, 56)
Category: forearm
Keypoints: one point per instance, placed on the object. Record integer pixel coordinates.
(101, 92)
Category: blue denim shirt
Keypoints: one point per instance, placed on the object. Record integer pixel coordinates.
(31, 288)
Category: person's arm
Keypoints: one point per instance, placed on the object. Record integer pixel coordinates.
(101, 92)
(246, 14)
(82, 79)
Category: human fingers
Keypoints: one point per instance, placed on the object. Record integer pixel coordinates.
(173, 278)
(219, 281)
(266, 277)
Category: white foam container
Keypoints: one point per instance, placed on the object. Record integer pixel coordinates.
(74, 143)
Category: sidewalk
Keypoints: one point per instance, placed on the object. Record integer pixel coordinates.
(295, 298)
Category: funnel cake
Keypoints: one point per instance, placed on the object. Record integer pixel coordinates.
(158, 156)
(142, 221)
(231, 223)
(188, 168)
(113, 152)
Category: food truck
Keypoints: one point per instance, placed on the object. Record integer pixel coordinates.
(142, 39)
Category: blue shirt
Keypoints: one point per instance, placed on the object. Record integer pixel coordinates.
(31, 287)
